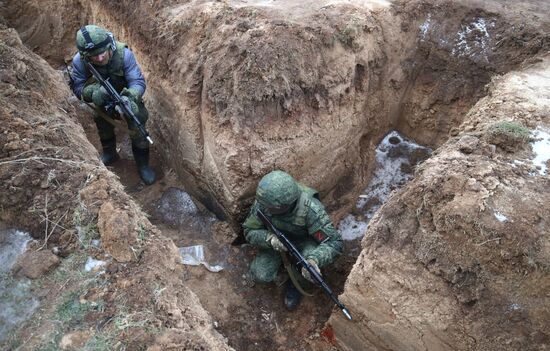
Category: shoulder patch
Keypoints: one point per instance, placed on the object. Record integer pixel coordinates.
(320, 237)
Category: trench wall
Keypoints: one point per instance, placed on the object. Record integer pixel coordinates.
(54, 186)
(236, 91)
(458, 260)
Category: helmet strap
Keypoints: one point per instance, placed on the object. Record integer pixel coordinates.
(89, 42)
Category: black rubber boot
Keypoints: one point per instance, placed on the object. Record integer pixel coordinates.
(292, 296)
(109, 154)
(146, 173)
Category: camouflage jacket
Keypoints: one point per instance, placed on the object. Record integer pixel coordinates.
(122, 70)
(308, 220)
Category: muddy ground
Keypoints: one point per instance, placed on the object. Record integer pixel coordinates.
(458, 259)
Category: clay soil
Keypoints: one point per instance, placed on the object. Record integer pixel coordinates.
(237, 88)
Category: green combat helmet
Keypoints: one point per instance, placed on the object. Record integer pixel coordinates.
(277, 192)
(92, 40)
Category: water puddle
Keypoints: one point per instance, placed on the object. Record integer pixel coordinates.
(16, 301)
(396, 157)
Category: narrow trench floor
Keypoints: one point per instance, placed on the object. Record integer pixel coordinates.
(251, 316)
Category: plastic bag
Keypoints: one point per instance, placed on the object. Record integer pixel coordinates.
(194, 256)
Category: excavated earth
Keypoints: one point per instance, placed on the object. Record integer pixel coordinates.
(457, 259)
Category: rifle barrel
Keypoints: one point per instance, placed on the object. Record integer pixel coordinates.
(121, 107)
(302, 261)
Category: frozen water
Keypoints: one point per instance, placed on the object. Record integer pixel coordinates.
(12, 244)
(395, 157)
(425, 26)
(93, 264)
(176, 209)
(351, 228)
(541, 148)
(500, 217)
(16, 305)
(16, 302)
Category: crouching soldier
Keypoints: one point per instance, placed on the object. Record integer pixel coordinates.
(295, 210)
(115, 62)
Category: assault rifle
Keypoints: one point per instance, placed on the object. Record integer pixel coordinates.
(122, 106)
(302, 262)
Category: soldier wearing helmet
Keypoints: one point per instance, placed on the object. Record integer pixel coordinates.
(115, 62)
(296, 211)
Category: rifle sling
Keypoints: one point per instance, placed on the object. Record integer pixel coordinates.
(292, 275)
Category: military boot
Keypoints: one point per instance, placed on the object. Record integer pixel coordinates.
(146, 173)
(292, 296)
(109, 154)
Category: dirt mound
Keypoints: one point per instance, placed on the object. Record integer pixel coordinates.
(459, 259)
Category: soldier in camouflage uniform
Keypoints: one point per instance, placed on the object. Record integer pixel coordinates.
(296, 211)
(115, 62)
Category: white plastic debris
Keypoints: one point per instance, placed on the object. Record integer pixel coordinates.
(500, 217)
(194, 256)
(93, 264)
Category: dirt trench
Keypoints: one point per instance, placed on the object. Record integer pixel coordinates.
(237, 89)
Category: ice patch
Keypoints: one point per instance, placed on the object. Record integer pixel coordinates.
(500, 217)
(16, 301)
(93, 264)
(541, 148)
(351, 228)
(16, 305)
(395, 157)
(176, 208)
(12, 244)
(425, 26)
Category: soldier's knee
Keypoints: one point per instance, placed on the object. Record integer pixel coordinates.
(264, 267)
(262, 276)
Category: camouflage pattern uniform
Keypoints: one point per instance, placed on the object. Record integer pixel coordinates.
(116, 64)
(121, 68)
(307, 226)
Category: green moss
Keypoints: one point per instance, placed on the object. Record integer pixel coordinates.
(509, 136)
(512, 130)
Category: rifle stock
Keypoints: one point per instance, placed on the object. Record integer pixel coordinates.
(301, 261)
(121, 106)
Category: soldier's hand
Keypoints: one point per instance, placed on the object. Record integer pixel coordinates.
(305, 272)
(88, 91)
(132, 94)
(101, 97)
(133, 106)
(275, 243)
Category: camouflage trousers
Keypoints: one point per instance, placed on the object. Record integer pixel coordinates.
(266, 264)
(106, 128)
